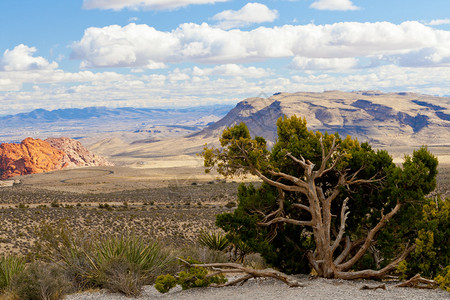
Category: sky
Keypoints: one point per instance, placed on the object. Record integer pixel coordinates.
(179, 53)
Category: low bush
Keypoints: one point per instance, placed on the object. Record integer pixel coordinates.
(191, 277)
(40, 281)
(121, 263)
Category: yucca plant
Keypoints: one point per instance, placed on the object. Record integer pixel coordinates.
(9, 267)
(213, 240)
(145, 256)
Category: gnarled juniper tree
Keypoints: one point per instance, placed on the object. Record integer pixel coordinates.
(324, 200)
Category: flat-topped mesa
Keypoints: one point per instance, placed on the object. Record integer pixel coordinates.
(38, 156)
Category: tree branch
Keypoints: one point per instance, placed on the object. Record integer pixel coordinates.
(251, 273)
(385, 218)
(344, 215)
(286, 220)
(373, 273)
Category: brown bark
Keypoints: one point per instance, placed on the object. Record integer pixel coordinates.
(222, 268)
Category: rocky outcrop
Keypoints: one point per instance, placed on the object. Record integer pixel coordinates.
(38, 156)
(28, 157)
(76, 155)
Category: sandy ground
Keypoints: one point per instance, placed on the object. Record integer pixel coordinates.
(267, 289)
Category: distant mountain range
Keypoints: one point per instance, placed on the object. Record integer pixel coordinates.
(383, 119)
(83, 122)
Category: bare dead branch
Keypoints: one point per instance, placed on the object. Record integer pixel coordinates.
(286, 220)
(344, 215)
(375, 273)
(293, 179)
(418, 281)
(326, 158)
(251, 273)
(301, 206)
(291, 188)
(347, 265)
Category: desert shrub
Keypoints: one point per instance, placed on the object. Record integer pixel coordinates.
(121, 276)
(213, 240)
(40, 282)
(10, 266)
(191, 277)
(254, 261)
(121, 263)
(203, 254)
(164, 283)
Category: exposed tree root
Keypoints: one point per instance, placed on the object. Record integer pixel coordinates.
(418, 281)
(222, 268)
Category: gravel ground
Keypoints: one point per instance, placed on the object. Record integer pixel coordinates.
(270, 289)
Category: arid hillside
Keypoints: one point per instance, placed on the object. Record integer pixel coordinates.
(393, 119)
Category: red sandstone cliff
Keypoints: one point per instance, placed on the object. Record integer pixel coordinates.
(37, 156)
(28, 157)
(76, 154)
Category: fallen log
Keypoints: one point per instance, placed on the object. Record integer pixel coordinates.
(222, 268)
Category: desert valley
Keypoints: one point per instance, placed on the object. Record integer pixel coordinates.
(148, 178)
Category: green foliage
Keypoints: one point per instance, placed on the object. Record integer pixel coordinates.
(164, 283)
(213, 240)
(280, 246)
(191, 277)
(384, 185)
(10, 266)
(444, 279)
(431, 257)
(41, 282)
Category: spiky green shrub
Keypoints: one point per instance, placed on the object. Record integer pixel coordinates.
(213, 240)
(121, 263)
(10, 266)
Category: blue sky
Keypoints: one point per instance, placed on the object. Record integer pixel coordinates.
(166, 53)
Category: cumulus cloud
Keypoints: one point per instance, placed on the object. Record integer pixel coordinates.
(334, 5)
(438, 22)
(304, 63)
(142, 46)
(251, 13)
(231, 70)
(21, 59)
(143, 4)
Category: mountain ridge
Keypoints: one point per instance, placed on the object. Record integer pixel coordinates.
(383, 119)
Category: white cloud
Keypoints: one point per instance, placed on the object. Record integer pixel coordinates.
(141, 46)
(334, 5)
(143, 4)
(304, 63)
(251, 13)
(438, 22)
(231, 70)
(21, 59)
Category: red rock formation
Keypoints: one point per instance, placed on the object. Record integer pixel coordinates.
(76, 154)
(37, 156)
(28, 157)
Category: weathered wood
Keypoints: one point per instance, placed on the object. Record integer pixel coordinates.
(221, 268)
(418, 281)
